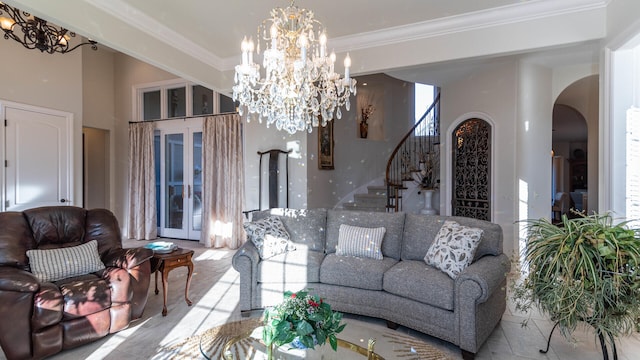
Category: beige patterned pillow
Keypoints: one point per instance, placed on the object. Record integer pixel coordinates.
(62, 263)
(360, 241)
(453, 248)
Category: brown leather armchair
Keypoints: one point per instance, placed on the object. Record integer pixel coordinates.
(39, 319)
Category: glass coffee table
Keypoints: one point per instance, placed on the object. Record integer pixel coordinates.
(240, 340)
(247, 344)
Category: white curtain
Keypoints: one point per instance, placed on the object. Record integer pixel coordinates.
(142, 191)
(223, 188)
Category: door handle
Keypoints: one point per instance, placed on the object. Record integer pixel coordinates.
(63, 200)
(189, 187)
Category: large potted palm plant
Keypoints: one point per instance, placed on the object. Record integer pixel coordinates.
(585, 269)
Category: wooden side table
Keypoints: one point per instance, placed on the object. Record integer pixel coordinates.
(163, 263)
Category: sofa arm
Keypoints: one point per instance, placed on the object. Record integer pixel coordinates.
(127, 258)
(12, 279)
(17, 291)
(480, 293)
(488, 273)
(245, 261)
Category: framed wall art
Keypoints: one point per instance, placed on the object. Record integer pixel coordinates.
(325, 146)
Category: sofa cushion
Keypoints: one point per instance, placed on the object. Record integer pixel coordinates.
(269, 236)
(47, 306)
(362, 273)
(305, 227)
(454, 248)
(421, 230)
(392, 222)
(84, 295)
(300, 266)
(360, 242)
(57, 225)
(418, 281)
(61, 263)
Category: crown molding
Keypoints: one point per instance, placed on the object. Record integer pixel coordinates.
(504, 15)
(141, 21)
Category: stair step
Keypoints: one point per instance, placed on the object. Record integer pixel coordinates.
(370, 199)
(360, 207)
(377, 190)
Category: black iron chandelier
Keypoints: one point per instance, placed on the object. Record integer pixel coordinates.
(35, 33)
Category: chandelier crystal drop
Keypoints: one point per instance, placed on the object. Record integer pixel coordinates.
(299, 88)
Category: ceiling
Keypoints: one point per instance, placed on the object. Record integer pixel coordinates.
(199, 40)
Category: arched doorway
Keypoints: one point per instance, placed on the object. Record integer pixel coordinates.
(569, 172)
(575, 143)
(471, 173)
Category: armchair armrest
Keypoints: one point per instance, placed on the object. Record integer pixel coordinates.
(245, 261)
(246, 252)
(12, 279)
(127, 258)
(488, 273)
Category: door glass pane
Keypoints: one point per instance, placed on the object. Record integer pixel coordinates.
(156, 160)
(177, 102)
(151, 105)
(174, 175)
(226, 104)
(202, 100)
(197, 181)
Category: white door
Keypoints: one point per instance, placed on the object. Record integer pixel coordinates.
(179, 178)
(38, 165)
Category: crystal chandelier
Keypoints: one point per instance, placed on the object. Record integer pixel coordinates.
(299, 84)
(36, 32)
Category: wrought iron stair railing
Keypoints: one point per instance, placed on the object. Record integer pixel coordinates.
(415, 158)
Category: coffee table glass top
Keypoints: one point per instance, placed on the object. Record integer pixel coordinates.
(250, 346)
(242, 340)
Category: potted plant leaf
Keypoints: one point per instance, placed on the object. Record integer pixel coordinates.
(585, 269)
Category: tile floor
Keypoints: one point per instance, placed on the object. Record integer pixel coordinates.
(214, 292)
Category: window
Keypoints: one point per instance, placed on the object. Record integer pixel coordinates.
(424, 99)
(424, 95)
(178, 99)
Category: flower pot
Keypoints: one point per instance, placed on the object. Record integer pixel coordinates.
(428, 208)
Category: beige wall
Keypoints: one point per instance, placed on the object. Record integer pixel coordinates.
(48, 81)
(96, 168)
(98, 102)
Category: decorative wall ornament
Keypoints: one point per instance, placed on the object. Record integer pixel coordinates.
(366, 112)
(325, 147)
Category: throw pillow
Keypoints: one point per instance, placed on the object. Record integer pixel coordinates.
(57, 264)
(269, 236)
(360, 241)
(453, 248)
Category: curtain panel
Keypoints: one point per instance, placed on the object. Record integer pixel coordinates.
(142, 191)
(223, 177)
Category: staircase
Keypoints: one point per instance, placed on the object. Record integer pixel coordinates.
(375, 199)
(416, 157)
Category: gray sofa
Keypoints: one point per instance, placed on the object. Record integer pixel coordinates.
(401, 288)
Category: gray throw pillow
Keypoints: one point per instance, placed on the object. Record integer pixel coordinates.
(269, 236)
(360, 241)
(57, 264)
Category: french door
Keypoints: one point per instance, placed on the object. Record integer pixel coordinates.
(178, 157)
